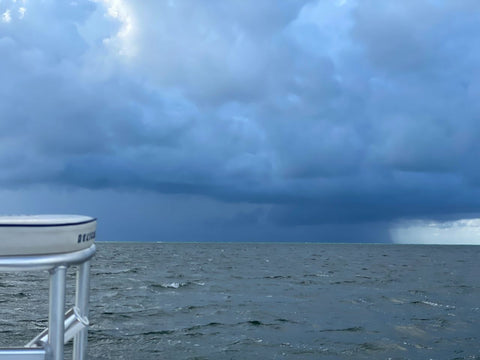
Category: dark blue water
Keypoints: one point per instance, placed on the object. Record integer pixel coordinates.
(268, 301)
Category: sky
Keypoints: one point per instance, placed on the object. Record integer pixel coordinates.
(241, 120)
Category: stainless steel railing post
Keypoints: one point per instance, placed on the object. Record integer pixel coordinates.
(56, 311)
(49, 344)
(81, 302)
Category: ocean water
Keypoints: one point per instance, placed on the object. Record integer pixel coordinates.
(266, 301)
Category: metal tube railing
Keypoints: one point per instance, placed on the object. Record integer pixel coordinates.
(45, 262)
(73, 324)
(49, 344)
(25, 354)
(56, 310)
(81, 302)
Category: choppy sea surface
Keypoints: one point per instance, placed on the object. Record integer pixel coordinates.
(266, 301)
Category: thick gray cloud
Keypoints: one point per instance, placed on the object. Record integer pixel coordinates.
(324, 112)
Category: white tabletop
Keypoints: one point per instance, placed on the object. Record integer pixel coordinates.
(43, 220)
(45, 234)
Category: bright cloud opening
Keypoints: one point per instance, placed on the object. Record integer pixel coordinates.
(119, 10)
(6, 17)
(460, 232)
(21, 12)
(10, 10)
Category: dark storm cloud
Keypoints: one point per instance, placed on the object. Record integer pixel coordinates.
(331, 111)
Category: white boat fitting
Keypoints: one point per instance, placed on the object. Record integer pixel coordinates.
(53, 243)
(45, 234)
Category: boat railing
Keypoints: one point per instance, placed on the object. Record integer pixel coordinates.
(62, 327)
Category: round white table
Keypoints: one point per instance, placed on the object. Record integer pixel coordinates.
(52, 243)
